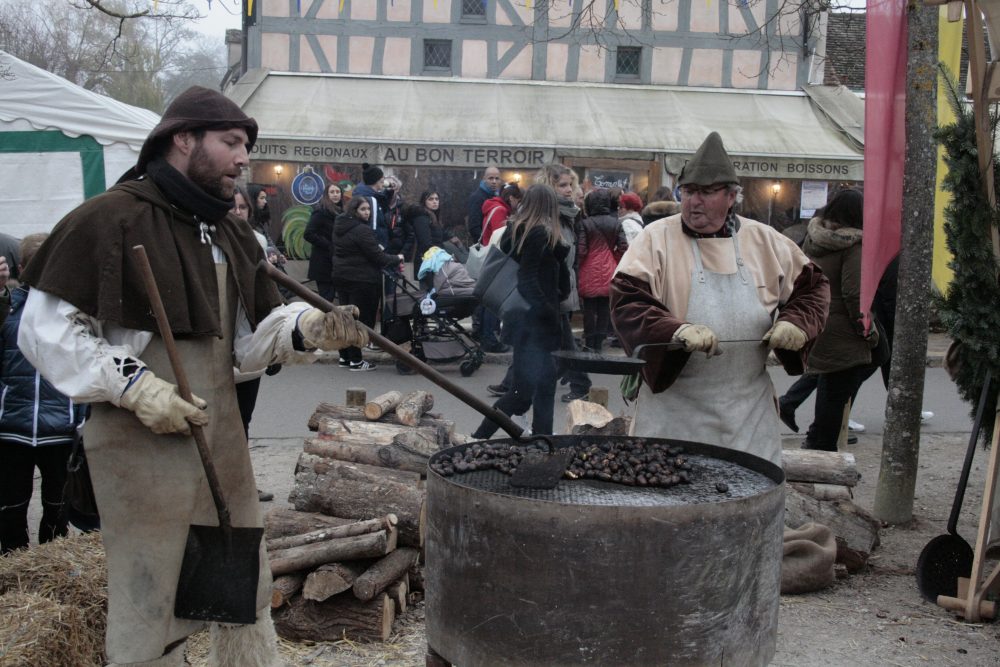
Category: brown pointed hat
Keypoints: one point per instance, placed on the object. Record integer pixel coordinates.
(709, 165)
(197, 108)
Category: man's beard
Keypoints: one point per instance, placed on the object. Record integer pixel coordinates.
(202, 174)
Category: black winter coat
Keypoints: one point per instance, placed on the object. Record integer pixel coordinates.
(357, 257)
(426, 233)
(33, 413)
(319, 232)
(543, 280)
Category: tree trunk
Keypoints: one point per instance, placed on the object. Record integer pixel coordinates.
(309, 556)
(285, 521)
(413, 406)
(901, 442)
(284, 587)
(387, 522)
(327, 580)
(811, 465)
(333, 619)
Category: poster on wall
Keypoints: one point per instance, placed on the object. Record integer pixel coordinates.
(600, 178)
(307, 187)
(814, 195)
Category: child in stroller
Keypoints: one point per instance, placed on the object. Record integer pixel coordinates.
(428, 315)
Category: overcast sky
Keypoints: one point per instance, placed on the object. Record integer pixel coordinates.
(221, 16)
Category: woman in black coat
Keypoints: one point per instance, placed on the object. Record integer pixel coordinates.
(358, 261)
(535, 241)
(319, 232)
(427, 229)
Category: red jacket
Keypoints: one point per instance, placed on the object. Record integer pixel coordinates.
(495, 212)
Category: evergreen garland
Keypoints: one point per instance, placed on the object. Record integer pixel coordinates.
(971, 309)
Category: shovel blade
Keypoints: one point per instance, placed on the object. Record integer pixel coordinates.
(542, 471)
(219, 575)
(941, 563)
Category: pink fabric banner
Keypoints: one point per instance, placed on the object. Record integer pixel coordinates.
(885, 140)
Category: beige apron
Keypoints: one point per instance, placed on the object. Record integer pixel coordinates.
(726, 400)
(150, 488)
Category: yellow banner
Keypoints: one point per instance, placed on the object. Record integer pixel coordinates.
(949, 53)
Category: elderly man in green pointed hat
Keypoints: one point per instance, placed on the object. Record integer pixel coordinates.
(710, 280)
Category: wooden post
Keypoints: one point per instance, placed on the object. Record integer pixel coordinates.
(844, 423)
(356, 397)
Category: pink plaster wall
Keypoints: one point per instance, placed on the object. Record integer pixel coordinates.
(706, 67)
(274, 51)
(705, 15)
(781, 75)
(520, 67)
(557, 59)
(746, 69)
(520, 9)
(666, 65)
(396, 59)
(665, 16)
(399, 11)
(362, 10)
(308, 61)
(630, 15)
(439, 14)
(330, 9)
(591, 64)
(473, 59)
(273, 8)
(359, 55)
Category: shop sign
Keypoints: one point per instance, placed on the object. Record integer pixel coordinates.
(779, 168)
(388, 154)
(601, 178)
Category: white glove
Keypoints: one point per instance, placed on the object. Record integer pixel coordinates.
(334, 330)
(160, 408)
(785, 336)
(698, 338)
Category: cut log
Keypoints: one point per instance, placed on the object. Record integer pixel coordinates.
(810, 465)
(382, 404)
(327, 580)
(393, 456)
(358, 414)
(383, 572)
(416, 577)
(336, 618)
(380, 433)
(284, 587)
(356, 397)
(323, 465)
(284, 521)
(414, 405)
(855, 530)
(387, 523)
(399, 592)
(348, 489)
(823, 491)
(587, 418)
(344, 548)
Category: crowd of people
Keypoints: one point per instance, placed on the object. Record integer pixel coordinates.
(81, 349)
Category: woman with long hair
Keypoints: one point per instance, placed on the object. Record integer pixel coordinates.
(260, 212)
(535, 241)
(358, 261)
(427, 228)
(562, 179)
(319, 232)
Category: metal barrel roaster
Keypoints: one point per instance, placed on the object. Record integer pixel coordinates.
(595, 573)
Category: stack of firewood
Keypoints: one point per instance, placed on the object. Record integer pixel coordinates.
(345, 561)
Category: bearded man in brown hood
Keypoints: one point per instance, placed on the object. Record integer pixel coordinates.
(89, 329)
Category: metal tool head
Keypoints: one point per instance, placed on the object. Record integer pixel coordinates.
(219, 575)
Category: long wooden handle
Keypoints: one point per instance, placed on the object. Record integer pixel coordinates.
(313, 299)
(183, 387)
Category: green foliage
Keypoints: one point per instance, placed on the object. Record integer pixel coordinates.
(971, 309)
(293, 232)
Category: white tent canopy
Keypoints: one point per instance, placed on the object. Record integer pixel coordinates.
(571, 118)
(59, 144)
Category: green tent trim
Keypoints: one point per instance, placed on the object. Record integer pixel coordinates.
(54, 141)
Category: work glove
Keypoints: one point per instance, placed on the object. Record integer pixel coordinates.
(160, 407)
(785, 336)
(334, 330)
(698, 338)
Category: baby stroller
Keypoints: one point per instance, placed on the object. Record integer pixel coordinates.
(430, 320)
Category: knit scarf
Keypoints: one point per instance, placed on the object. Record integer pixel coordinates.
(183, 193)
(567, 209)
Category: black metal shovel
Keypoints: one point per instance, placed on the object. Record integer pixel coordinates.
(948, 557)
(221, 566)
(609, 364)
(538, 470)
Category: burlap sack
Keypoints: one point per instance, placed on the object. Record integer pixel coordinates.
(809, 554)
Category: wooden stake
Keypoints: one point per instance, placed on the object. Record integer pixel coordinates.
(357, 397)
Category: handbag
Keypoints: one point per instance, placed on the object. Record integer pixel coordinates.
(478, 251)
(496, 287)
(79, 490)
(395, 328)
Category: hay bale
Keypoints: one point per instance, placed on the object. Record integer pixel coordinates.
(37, 630)
(70, 573)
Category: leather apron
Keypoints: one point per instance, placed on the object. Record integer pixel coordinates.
(727, 400)
(150, 488)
